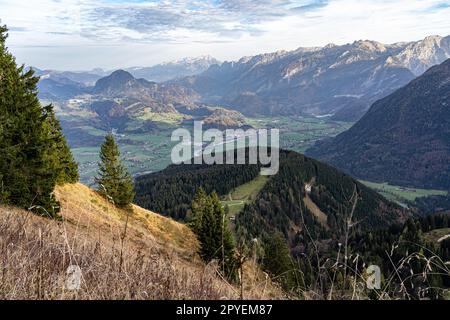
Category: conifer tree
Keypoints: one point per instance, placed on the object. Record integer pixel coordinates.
(209, 223)
(278, 261)
(29, 164)
(113, 180)
(65, 165)
(197, 208)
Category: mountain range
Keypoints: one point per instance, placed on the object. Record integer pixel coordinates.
(121, 102)
(342, 81)
(339, 81)
(60, 85)
(403, 139)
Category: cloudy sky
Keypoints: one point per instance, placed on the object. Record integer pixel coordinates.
(86, 34)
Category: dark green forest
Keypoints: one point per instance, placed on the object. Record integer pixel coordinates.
(172, 190)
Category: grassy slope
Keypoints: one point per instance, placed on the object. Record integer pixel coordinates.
(315, 210)
(244, 194)
(82, 205)
(159, 255)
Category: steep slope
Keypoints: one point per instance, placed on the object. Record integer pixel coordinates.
(148, 257)
(404, 139)
(341, 80)
(422, 55)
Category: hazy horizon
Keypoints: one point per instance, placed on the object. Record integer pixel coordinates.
(111, 34)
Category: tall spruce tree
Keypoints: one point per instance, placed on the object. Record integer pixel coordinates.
(65, 165)
(30, 166)
(209, 223)
(113, 180)
(278, 260)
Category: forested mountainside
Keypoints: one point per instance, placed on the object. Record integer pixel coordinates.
(281, 203)
(173, 189)
(404, 139)
(316, 230)
(309, 193)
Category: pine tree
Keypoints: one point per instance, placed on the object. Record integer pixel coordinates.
(209, 223)
(66, 167)
(278, 260)
(113, 180)
(226, 241)
(196, 213)
(29, 165)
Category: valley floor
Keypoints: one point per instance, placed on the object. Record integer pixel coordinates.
(150, 151)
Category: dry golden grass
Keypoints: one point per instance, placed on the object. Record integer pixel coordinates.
(84, 207)
(156, 258)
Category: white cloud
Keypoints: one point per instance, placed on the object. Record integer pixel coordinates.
(81, 34)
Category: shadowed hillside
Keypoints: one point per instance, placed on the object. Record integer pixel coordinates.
(404, 139)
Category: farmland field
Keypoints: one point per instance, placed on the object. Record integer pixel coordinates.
(244, 194)
(400, 194)
(150, 151)
(299, 133)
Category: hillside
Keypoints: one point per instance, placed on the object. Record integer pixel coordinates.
(283, 199)
(159, 255)
(171, 190)
(315, 228)
(404, 139)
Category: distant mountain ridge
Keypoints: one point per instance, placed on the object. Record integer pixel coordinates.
(420, 56)
(87, 78)
(403, 139)
(341, 80)
(174, 69)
